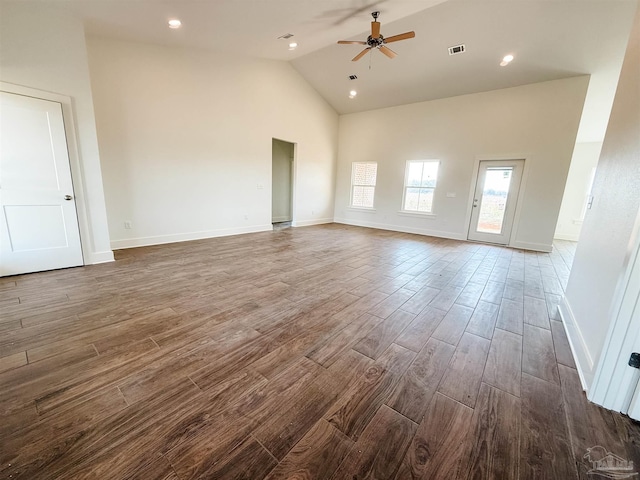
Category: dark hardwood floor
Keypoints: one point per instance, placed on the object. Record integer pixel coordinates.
(328, 352)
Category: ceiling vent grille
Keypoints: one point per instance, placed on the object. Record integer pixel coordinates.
(353, 77)
(286, 36)
(456, 50)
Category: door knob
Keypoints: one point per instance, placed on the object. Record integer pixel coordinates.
(68, 197)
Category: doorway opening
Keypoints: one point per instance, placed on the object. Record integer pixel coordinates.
(494, 201)
(282, 162)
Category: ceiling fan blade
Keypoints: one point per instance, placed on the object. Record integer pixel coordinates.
(387, 51)
(402, 36)
(350, 42)
(375, 29)
(361, 54)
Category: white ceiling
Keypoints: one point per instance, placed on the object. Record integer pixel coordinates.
(550, 39)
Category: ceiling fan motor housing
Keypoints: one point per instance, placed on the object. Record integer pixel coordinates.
(375, 42)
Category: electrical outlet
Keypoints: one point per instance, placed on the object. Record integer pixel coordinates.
(127, 224)
(313, 212)
(246, 217)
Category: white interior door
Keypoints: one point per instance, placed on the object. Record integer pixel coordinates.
(494, 201)
(38, 222)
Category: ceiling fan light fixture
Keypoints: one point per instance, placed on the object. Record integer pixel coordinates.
(175, 23)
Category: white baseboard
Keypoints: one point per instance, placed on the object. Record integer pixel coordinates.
(584, 362)
(402, 228)
(536, 247)
(280, 219)
(308, 223)
(99, 257)
(567, 236)
(185, 237)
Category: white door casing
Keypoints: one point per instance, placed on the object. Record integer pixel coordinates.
(38, 220)
(494, 200)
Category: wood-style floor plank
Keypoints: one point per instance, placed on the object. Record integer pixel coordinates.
(544, 440)
(452, 326)
(483, 320)
(511, 316)
(462, 379)
(538, 356)
(317, 455)
(535, 312)
(359, 403)
(382, 335)
(416, 387)
(440, 443)
(378, 453)
(503, 369)
(494, 448)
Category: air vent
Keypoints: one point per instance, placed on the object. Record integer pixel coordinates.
(353, 77)
(286, 36)
(456, 50)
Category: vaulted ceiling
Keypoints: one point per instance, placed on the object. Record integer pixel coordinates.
(549, 39)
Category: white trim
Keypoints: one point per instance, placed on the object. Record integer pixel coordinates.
(581, 355)
(407, 213)
(280, 219)
(362, 209)
(79, 191)
(308, 223)
(185, 237)
(401, 228)
(536, 247)
(569, 236)
(101, 257)
(614, 381)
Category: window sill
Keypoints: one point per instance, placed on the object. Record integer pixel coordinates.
(405, 213)
(362, 209)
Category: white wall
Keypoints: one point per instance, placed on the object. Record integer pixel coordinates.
(606, 240)
(45, 49)
(282, 158)
(583, 162)
(536, 121)
(185, 141)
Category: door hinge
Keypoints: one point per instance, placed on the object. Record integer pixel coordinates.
(634, 360)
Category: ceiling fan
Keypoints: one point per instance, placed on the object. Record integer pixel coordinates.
(375, 40)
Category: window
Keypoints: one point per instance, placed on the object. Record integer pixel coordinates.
(363, 184)
(419, 185)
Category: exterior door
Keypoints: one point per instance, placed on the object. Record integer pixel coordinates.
(494, 201)
(38, 221)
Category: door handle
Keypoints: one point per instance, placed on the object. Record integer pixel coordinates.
(475, 202)
(68, 197)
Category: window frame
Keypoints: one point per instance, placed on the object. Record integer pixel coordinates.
(353, 184)
(406, 186)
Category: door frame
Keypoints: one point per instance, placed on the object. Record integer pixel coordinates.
(294, 170)
(79, 191)
(523, 182)
(614, 381)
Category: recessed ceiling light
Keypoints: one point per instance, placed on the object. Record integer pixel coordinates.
(506, 60)
(293, 45)
(175, 23)
(352, 94)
